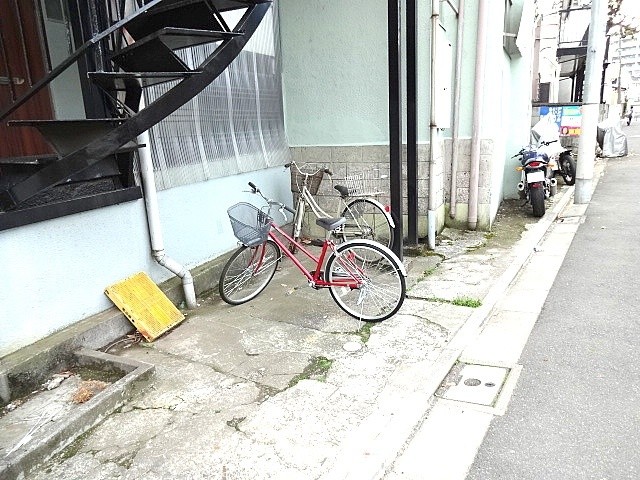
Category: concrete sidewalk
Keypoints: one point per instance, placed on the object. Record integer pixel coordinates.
(267, 390)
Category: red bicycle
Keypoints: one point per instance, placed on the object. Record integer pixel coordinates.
(365, 278)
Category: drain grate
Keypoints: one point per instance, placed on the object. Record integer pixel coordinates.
(470, 383)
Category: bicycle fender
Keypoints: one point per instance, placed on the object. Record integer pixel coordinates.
(371, 243)
(387, 214)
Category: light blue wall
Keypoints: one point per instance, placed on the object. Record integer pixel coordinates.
(55, 272)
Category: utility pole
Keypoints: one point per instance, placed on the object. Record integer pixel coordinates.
(591, 101)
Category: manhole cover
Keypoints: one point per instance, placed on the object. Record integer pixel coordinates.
(479, 384)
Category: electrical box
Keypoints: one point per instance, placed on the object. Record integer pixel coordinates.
(443, 76)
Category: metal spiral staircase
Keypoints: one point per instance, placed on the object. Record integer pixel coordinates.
(139, 51)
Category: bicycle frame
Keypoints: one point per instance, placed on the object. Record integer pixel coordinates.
(308, 199)
(314, 278)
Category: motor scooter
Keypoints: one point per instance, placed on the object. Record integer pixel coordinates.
(536, 181)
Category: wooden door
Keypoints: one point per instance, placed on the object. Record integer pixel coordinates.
(22, 63)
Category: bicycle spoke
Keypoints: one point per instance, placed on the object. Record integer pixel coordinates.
(380, 287)
(248, 272)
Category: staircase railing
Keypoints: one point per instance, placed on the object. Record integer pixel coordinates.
(105, 137)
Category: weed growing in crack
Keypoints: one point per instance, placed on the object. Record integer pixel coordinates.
(428, 272)
(317, 370)
(365, 332)
(466, 302)
(458, 301)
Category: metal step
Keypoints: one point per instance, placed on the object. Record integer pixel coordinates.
(190, 15)
(221, 5)
(112, 83)
(67, 136)
(121, 81)
(177, 38)
(149, 56)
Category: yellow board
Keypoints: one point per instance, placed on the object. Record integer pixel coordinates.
(144, 304)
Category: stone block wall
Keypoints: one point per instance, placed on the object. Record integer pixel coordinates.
(463, 176)
(347, 160)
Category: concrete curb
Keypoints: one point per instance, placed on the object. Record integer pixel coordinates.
(66, 430)
(373, 447)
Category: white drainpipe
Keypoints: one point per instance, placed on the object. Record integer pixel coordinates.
(478, 92)
(155, 228)
(433, 130)
(456, 112)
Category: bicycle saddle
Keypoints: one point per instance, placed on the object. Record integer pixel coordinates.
(344, 191)
(329, 223)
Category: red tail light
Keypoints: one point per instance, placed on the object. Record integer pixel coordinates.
(387, 208)
(534, 164)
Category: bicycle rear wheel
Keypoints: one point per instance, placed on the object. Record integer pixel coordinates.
(248, 272)
(366, 220)
(382, 284)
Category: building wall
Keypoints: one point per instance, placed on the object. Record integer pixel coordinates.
(65, 264)
(335, 83)
(335, 89)
(56, 271)
(334, 70)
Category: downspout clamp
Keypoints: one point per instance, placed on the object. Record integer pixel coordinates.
(155, 228)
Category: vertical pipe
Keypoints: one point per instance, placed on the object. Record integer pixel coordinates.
(433, 128)
(591, 105)
(155, 227)
(455, 150)
(395, 122)
(412, 123)
(478, 92)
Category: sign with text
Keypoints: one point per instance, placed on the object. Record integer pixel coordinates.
(567, 117)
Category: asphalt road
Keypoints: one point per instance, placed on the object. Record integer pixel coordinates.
(575, 413)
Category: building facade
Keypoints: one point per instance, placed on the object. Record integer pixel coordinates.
(312, 84)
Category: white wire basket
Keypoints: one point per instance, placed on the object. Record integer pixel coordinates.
(366, 183)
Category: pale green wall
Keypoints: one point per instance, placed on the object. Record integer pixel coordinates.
(334, 64)
(335, 78)
(335, 70)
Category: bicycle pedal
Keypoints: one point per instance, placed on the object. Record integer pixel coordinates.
(313, 273)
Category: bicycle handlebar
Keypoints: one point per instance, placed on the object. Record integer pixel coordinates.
(282, 206)
(325, 170)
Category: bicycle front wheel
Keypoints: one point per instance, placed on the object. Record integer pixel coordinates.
(381, 284)
(248, 272)
(365, 219)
